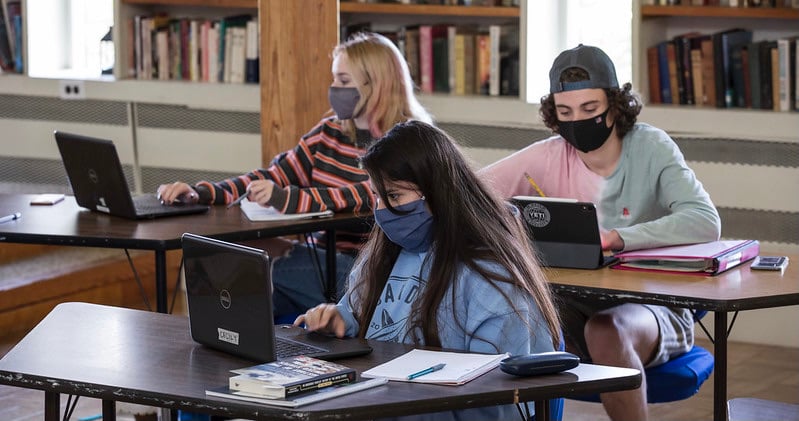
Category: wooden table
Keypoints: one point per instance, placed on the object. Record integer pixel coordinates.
(737, 289)
(66, 223)
(118, 354)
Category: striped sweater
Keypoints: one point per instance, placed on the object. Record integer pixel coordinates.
(320, 173)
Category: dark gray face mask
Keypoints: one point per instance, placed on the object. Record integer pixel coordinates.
(343, 101)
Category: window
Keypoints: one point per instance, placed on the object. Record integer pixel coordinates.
(553, 26)
(64, 37)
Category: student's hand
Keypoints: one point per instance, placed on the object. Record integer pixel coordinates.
(323, 318)
(177, 193)
(611, 240)
(260, 191)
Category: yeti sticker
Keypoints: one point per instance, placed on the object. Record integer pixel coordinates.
(536, 214)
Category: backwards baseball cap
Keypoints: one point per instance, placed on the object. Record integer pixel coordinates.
(601, 72)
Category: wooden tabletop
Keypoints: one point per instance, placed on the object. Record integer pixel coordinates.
(66, 223)
(739, 288)
(143, 357)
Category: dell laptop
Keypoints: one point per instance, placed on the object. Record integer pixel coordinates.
(96, 176)
(229, 293)
(564, 232)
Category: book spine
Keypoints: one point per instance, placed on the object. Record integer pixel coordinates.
(783, 50)
(730, 260)
(671, 57)
(252, 54)
(495, 35)
(708, 73)
(342, 378)
(426, 58)
(663, 73)
(652, 72)
(696, 76)
(6, 59)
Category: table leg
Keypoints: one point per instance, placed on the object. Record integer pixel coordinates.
(160, 281)
(330, 262)
(542, 412)
(52, 406)
(720, 370)
(109, 410)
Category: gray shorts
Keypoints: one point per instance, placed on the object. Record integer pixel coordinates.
(675, 325)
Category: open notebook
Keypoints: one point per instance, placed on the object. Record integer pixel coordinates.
(459, 368)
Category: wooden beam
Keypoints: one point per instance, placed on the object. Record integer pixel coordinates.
(297, 37)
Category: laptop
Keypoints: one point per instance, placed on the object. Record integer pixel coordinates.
(96, 176)
(229, 292)
(564, 232)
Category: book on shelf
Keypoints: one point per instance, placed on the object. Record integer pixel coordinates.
(289, 377)
(775, 78)
(653, 74)
(427, 60)
(11, 14)
(784, 77)
(208, 50)
(682, 52)
(482, 67)
(708, 73)
(737, 55)
(753, 59)
(303, 399)
(6, 57)
(704, 259)
(504, 40)
(664, 75)
(673, 72)
(696, 76)
(458, 368)
(723, 44)
(766, 75)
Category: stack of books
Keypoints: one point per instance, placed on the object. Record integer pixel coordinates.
(292, 382)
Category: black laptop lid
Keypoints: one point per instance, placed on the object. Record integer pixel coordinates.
(229, 292)
(564, 232)
(95, 174)
(97, 180)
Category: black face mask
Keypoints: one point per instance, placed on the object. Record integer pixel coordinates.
(586, 135)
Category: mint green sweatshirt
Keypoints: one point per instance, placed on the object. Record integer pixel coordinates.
(652, 199)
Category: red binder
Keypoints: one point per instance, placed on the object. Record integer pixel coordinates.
(704, 259)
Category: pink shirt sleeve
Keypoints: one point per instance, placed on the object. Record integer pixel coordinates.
(555, 167)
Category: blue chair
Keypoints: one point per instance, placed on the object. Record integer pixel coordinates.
(677, 379)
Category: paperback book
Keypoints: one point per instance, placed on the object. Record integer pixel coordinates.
(289, 377)
(301, 399)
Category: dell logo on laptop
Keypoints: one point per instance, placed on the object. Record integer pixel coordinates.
(224, 299)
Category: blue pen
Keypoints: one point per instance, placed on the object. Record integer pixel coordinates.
(426, 371)
(13, 217)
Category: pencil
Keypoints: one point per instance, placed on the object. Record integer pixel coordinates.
(535, 186)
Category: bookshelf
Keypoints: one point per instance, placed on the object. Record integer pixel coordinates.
(428, 9)
(654, 24)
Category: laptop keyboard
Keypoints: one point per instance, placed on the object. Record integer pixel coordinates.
(286, 348)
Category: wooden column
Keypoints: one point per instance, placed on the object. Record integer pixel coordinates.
(297, 37)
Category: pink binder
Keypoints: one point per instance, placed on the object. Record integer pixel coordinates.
(693, 259)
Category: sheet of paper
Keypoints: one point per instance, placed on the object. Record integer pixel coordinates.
(256, 212)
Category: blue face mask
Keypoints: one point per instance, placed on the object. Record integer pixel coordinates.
(412, 231)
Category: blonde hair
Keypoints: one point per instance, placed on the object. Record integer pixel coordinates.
(386, 86)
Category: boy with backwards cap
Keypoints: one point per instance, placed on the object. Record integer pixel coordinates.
(646, 197)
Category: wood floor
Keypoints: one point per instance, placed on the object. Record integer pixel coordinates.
(758, 371)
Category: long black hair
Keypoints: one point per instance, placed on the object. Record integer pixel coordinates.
(470, 224)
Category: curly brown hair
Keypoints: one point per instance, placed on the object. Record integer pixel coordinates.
(624, 104)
